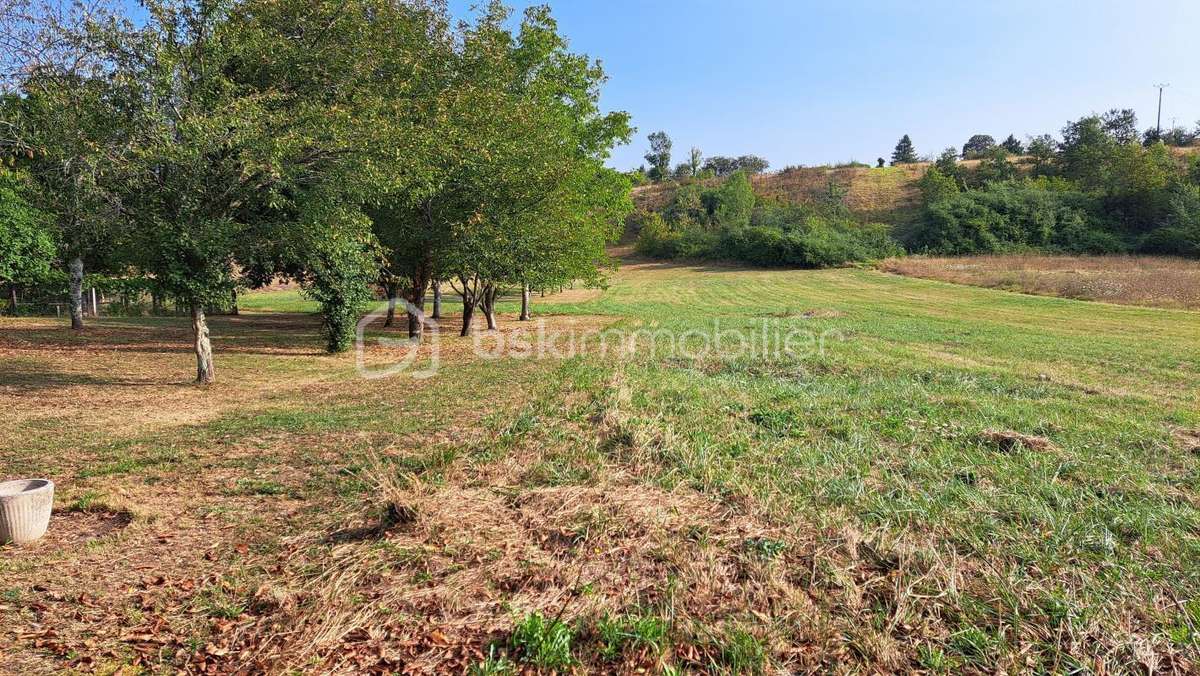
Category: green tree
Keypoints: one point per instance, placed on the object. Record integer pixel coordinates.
(695, 162)
(947, 164)
(977, 145)
(1013, 145)
(1087, 151)
(659, 155)
(75, 127)
(720, 166)
(904, 152)
(751, 164)
(26, 246)
(995, 166)
(1121, 125)
(733, 202)
(1043, 149)
(250, 140)
(524, 199)
(936, 185)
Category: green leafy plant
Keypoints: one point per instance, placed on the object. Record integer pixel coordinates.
(618, 634)
(543, 642)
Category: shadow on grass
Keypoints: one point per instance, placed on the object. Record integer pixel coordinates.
(29, 375)
(274, 333)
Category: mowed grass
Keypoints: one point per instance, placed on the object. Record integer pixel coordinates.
(937, 477)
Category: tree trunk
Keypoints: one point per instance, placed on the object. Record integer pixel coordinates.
(524, 303)
(156, 306)
(75, 268)
(468, 315)
(417, 299)
(489, 306)
(437, 299)
(12, 299)
(233, 303)
(390, 290)
(204, 359)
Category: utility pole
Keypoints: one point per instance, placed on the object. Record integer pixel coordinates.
(1158, 125)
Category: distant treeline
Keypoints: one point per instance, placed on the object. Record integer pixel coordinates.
(1102, 188)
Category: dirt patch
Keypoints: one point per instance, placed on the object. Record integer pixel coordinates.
(1008, 442)
(814, 313)
(74, 528)
(1188, 440)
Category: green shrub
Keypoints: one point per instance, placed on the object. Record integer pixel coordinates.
(1180, 232)
(732, 204)
(657, 238)
(1014, 215)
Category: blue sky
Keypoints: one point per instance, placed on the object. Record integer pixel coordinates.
(813, 82)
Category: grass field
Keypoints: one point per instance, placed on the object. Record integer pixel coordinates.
(945, 478)
(1156, 281)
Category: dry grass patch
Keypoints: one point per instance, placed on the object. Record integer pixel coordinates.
(1131, 280)
(430, 592)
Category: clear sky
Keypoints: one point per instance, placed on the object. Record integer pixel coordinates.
(810, 82)
(822, 81)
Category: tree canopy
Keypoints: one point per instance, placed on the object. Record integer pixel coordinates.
(26, 244)
(341, 144)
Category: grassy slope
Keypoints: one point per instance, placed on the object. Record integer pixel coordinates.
(845, 506)
(887, 194)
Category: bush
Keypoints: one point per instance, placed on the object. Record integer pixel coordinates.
(818, 242)
(1180, 233)
(733, 203)
(1014, 215)
(657, 239)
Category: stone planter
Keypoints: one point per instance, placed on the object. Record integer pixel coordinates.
(25, 509)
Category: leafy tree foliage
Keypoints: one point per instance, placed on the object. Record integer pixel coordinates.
(1121, 125)
(936, 185)
(1013, 145)
(26, 246)
(1042, 149)
(904, 152)
(722, 166)
(977, 145)
(947, 164)
(995, 166)
(517, 194)
(1008, 216)
(695, 162)
(75, 128)
(733, 202)
(1099, 191)
(659, 155)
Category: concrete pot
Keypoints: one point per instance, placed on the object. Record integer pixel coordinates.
(25, 509)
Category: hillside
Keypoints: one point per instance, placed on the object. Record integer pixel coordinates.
(887, 194)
